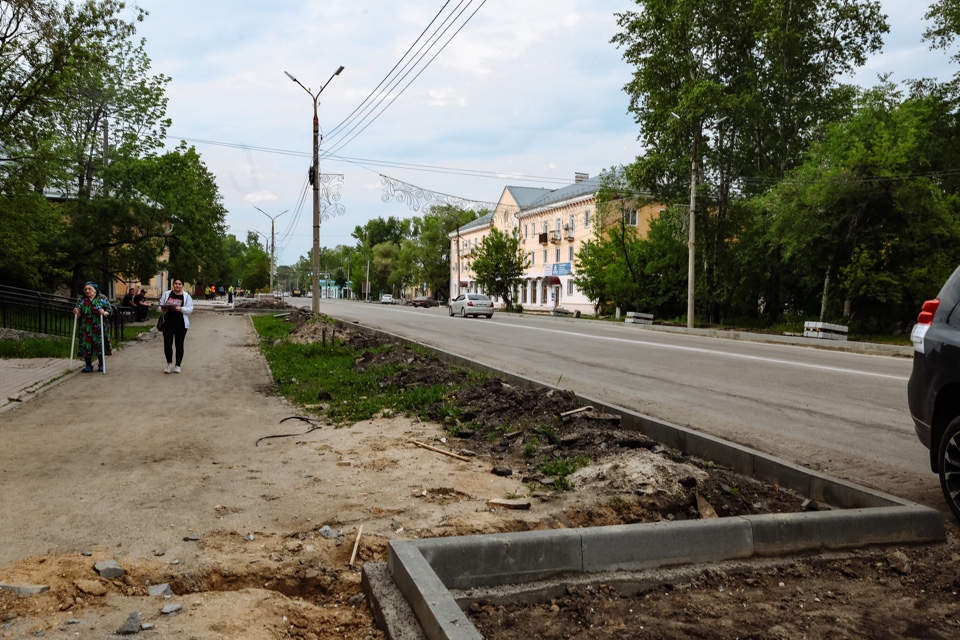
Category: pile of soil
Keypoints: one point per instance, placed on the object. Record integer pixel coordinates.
(262, 303)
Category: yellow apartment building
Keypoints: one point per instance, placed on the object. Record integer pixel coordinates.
(552, 225)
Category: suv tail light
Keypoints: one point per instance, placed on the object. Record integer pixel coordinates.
(928, 311)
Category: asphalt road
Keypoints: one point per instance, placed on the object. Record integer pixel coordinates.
(841, 413)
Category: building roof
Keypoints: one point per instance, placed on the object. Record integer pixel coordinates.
(479, 222)
(524, 196)
(583, 188)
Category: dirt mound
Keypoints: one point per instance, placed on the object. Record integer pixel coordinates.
(262, 303)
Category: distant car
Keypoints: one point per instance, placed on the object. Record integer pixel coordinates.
(471, 304)
(386, 299)
(423, 301)
(933, 391)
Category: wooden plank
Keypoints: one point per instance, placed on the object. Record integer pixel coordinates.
(509, 504)
(443, 451)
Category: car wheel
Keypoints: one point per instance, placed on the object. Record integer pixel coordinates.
(450, 311)
(463, 312)
(489, 315)
(949, 465)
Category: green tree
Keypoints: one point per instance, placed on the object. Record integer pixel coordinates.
(499, 264)
(189, 200)
(863, 222)
(724, 90)
(256, 266)
(434, 244)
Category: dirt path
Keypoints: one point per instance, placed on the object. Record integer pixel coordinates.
(127, 465)
(161, 474)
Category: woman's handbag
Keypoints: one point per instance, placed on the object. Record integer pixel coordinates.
(160, 322)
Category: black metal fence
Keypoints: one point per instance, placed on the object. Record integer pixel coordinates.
(38, 312)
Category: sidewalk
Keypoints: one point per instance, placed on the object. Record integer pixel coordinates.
(22, 379)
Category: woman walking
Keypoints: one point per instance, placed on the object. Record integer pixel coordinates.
(92, 307)
(175, 305)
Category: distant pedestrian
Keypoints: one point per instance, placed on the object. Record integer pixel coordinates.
(176, 305)
(140, 306)
(91, 308)
(230, 294)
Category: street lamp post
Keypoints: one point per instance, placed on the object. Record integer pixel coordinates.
(315, 174)
(273, 243)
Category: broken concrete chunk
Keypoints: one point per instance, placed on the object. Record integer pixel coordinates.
(171, 609)
(109, 569)
(899, 562)
(24, 589)
(328, 533)
(131, 625)
(160, 590)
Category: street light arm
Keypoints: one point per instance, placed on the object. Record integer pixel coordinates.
(301, 85)
(335, 73)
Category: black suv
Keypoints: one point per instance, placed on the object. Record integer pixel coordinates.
(934, 388)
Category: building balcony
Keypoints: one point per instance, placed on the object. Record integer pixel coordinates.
(544, 239)
(555, 237)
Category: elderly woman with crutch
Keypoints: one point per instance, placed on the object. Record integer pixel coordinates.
(91, 309)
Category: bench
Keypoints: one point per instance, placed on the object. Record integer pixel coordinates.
(635, 317)
(824, 330)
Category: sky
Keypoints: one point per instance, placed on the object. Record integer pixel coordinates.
(526, 92)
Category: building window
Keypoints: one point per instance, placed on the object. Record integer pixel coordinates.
(570, 287)
(525, 232)
(573, 222)
(533, 258)
(558, 225)
(586, 217)
(570, 250)
(544, 256)
(546, 227)
(630, 217)
(556, 256)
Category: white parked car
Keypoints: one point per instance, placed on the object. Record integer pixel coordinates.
(471, 304)
(386, 299)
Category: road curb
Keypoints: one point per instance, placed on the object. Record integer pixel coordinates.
(425, 571)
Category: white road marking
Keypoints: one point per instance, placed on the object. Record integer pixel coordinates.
(708, 352)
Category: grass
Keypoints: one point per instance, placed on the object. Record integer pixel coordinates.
(56, 346)
(52, 347)
(560, 468)
(310, 374)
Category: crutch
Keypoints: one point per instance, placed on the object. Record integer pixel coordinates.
(103, 346)
(73, 339)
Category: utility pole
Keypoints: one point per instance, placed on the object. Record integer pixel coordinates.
(273, 243)
(315, 179)
(692, 240)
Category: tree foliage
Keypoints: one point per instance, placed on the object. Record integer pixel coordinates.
(737, 91)
(499, 264)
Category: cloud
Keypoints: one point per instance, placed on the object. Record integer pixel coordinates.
(259, 197)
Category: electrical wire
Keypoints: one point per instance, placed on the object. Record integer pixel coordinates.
(407, 52)
(366, 163)
(343, 143)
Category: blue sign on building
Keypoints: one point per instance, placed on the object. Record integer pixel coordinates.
(560, 269)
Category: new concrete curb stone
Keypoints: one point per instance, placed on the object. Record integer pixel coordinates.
(425, 571)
